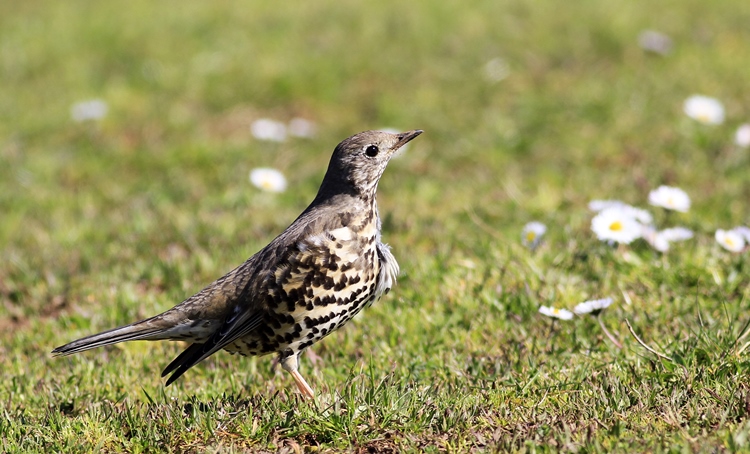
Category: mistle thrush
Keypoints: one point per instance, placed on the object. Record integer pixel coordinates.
(309, 281)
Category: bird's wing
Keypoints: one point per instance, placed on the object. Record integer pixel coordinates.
(239, 324)
(244, 316)
(294, 246)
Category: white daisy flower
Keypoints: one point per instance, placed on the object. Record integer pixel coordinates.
(731, 240)
(562, 314)
(267, 179)
(593, 306)
(299, 127)
(655, 42)
(670, 198)
(532, 234)
(639, 214)
(742, 136)
(704, 109)
(655, 238)
(267, 129)
(661, 239)
(616, 224)
(496, 70)
(93, 109)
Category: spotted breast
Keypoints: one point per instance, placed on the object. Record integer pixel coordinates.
(324, 281)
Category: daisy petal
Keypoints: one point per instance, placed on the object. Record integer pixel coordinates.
(562, 314)
(592, 306)
(670, 198)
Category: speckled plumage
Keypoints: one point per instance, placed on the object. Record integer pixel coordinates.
(309, 281)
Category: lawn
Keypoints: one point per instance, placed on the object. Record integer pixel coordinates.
(531, 110)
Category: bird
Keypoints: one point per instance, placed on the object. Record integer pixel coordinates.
(310, 280)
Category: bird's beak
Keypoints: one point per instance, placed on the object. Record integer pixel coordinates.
(405, 137)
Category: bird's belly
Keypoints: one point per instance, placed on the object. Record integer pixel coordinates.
(309, 326)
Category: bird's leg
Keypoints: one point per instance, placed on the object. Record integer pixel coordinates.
(290, 364)
(304, 388)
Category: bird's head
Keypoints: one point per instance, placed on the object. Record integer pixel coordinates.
(359, 161)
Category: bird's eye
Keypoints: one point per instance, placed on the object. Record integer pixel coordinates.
(372, 151)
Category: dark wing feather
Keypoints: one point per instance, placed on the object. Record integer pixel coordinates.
(241, 322)
(236, 327)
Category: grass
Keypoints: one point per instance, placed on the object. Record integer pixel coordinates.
(107, 222)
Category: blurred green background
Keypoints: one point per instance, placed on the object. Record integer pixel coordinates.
(530, 109)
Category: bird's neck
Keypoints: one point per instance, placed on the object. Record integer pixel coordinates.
(335, 188)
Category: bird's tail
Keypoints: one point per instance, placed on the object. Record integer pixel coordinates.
(148, 329)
